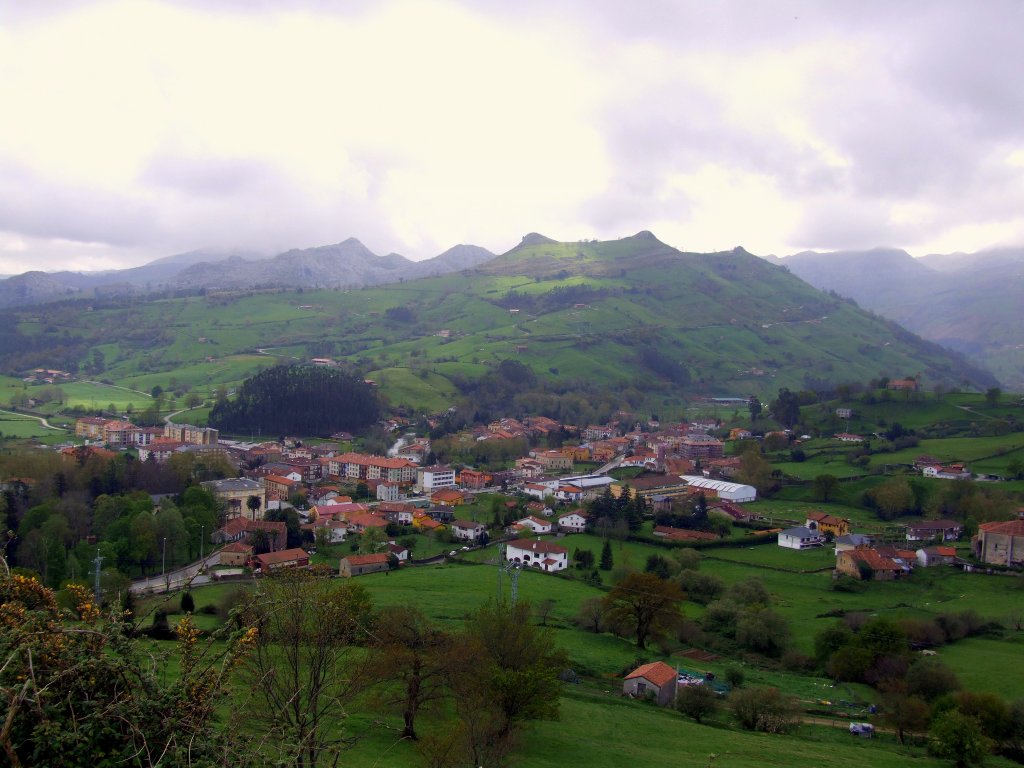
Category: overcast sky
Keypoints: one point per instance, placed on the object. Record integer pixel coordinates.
(135, 130)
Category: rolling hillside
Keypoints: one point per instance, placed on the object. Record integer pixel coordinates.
(632, 318)
(967, 302)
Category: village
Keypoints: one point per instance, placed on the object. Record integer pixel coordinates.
(337, 494)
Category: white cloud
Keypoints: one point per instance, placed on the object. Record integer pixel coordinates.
(139, 129)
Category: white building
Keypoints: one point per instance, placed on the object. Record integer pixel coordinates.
(467, 530)
(430, 479)
(574, 522)
(800, 537)
(535, 524)
(734, 492)
(534, 553)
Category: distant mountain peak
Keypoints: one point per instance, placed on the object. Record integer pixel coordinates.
(535, 238)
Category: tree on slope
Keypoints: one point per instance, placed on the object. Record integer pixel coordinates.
(645, 604)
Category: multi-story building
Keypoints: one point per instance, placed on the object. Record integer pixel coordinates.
(235, 492)
(186, 433)
(430, 479)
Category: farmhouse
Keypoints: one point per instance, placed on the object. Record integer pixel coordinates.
(537, 554)
(825, 524)
(800, 537)
(357, 565)
(236, 553)
(657, 679)
(867, 564)
(286, 558)
(929, 556)
(944, 530)
(1000, 543)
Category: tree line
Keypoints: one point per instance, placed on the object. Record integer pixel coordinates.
(298, 399)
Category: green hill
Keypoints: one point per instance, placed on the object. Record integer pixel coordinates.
(631, 318)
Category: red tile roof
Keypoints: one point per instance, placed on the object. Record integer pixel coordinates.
(1008, 528)
(538, 546)
(657, 672)
(375, 559)
(284, 556)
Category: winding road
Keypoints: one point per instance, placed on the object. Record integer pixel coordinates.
(40, 419)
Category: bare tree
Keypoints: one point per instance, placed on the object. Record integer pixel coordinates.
(305, 665)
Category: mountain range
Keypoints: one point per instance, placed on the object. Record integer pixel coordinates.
(348, 264)
(969, 302)
(631, 321)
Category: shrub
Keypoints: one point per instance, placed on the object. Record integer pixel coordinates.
(929, 678)
(763, 708)
(230, 601)
(697, 701)
(734, 676)
(188, 604)
(701, 588)
(794, 661)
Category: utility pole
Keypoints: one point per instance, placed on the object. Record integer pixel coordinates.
(96, 586)
(202, 531)
(163, 567)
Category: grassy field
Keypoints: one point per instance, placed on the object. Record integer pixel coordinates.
(17, 426)
(598, 727)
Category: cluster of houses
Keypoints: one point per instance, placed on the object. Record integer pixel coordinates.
(156, 443)
(927, 543)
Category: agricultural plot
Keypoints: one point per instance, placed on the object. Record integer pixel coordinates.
(92, 396)
(403, 386)
(16, 426)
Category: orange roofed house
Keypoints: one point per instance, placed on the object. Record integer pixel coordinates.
(1000, 543)
(286, 558)
(656, 678)
(356, 565)
(825, 523)
(867, 564)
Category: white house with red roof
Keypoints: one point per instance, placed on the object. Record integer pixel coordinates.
(534, 524)
(534, 553)
(573, 522)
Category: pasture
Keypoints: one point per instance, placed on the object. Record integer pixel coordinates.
(597, 726)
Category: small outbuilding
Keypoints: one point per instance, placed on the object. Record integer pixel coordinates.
(357, 565)
(657, 679)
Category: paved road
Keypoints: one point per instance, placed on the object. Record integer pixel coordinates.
(177, 579)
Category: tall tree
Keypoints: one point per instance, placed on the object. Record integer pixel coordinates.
(754, 406)
(305, 665)
(786, 408)
(413, 659)
(644, 603)
(508, 677)
(606, 556)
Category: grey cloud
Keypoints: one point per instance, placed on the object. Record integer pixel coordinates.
(34, 205)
